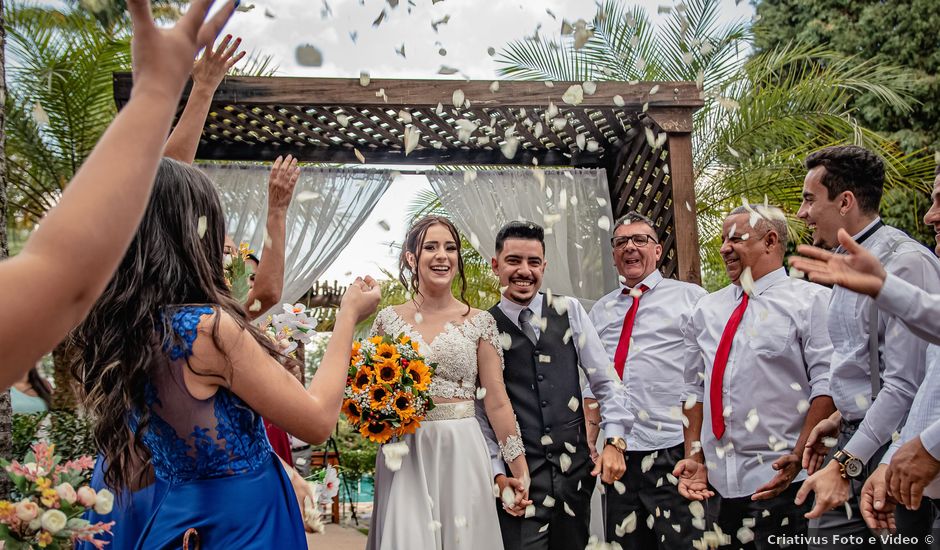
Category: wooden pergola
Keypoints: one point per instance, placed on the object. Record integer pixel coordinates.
(618, 128)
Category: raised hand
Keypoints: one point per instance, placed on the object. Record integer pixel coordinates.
(815, 450)
(211, 68)
(281, 182)
(163, 58)
(787, 467)
(877, 509)
(361, 298)
(693, 479)
(857, 270)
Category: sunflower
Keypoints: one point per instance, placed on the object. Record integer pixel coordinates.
(356, 352)
(351, 410)
(387, 371)
(404, 405)
(377, 433)
(362, 378)
(380, 397)
(385, 352)
(420, 374)
(376, 340)
(408, 427)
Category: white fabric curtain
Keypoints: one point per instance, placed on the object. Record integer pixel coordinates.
(328, 207)
(572, 205)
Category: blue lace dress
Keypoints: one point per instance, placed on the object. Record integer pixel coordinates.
(220, 480)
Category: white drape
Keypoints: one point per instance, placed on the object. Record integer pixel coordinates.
(572, 205)
(328, 208)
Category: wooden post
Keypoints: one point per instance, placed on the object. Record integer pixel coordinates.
(684, 209)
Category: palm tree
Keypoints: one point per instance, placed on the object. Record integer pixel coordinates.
(6, 411)
(763, 114)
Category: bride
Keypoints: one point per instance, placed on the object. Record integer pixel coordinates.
(442, 495)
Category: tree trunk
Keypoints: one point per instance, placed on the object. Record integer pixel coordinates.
(63, 397)
(6, 412)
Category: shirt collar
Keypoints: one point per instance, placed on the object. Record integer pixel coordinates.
(512, 309)
(762, 284)
(650, 281)
(865, 229)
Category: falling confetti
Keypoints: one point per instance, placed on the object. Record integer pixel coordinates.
(628, 525)
(201, 226)
(393, 453)
(564, 462)
(412, 137)
(481, 392)
(574, 95)
(618, 101)
(308, 55)
(255, 306)
(384, 225)
(549, 502)
(359, 156)
(747, 281)
(364, 79)
(445, 70)
(494, 87)
(603, 223)
(39, 115)
(457, 98)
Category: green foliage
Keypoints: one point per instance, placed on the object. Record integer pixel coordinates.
(904, 32)
(356, 453)
(70, 433)
(762, 116)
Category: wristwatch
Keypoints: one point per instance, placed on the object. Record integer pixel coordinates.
(618, 442)
(849, 465)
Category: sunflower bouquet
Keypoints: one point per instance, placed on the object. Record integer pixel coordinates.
(387, 387)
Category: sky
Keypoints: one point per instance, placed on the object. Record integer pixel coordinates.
(279, 27)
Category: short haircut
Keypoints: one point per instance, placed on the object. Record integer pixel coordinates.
(520, 230)
(851, 168)
(254, 259)
(635, 217)
(766, 220)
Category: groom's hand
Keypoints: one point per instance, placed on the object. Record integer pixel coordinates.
(520, 495)
(611, 464)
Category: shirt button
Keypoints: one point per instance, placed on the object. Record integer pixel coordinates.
(544, 404)
(548, 429)
(540, 377)
(549, 456)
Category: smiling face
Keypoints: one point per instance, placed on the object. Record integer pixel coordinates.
(743, 246)
(520, 267)
(436, 259)
(932, 217)
(635, 263)
(824, 217)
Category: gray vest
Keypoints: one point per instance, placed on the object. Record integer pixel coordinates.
(541, 379)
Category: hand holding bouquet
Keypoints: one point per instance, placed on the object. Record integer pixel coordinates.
(387, 388)
(48, 512)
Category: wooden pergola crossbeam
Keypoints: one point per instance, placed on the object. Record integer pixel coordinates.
(332, 120)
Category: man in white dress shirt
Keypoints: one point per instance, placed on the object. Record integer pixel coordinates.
(909, 469)
(640, 324)
(757, 381)
(547, 345)
(842, 190)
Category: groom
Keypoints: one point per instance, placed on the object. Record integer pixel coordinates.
(550, 342)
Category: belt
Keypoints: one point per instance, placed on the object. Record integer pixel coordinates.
(451, 411)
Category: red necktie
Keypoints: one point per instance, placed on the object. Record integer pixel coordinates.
(718, 370)
(623, 346)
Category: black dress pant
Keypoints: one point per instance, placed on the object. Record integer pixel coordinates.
(553, 527)
(650, 494)
(771, 524)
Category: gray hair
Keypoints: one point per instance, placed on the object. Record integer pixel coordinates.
(634, 217)
(768, 218)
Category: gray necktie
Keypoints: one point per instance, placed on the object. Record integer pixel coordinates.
(525, 320)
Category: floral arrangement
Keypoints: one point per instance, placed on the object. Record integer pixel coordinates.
(325, 486)
(387, 387)
(48, 514)
(236, 272)
(290, 328)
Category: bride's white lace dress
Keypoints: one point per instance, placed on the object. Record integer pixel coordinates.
(442, 496)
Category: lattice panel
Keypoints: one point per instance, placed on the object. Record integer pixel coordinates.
(642, 184)
(570, 133)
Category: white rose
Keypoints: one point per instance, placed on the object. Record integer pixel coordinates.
(27, 510)
(54, 521)
(104, 502)
(67, 493)
(86, 496)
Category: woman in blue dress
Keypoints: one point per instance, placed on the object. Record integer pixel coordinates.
(177, 378)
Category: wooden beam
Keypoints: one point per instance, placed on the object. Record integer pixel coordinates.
(240, 151)
(683, 207)
(425, 93)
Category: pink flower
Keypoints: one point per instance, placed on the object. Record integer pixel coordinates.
(87, 496)
(66, 492)
(27, 510)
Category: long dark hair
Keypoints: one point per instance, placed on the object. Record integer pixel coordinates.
(174, 259)
(40, 386)
(413, 241)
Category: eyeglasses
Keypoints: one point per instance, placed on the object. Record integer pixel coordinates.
(639, 240)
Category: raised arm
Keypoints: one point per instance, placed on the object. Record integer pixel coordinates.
(68, 260)
(208, 72)
(269, 279)
(267, 387)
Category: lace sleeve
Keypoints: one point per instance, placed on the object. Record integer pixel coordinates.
(378, 325)
(496, 401)
(180, 327)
